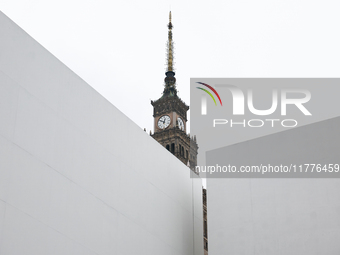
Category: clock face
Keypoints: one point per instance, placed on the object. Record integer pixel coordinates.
(180, 123)
(163, 122)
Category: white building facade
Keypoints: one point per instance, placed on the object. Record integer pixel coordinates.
(76, 175)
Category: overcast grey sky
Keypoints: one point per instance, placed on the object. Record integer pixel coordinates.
(118, 47)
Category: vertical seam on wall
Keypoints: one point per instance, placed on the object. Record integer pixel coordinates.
(193, 216)
(252, 212)
(3, 229)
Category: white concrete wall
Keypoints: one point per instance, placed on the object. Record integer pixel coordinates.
(279, 216)
(76, 175)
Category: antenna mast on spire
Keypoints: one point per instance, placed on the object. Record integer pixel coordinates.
(170, 45)
(170, 80)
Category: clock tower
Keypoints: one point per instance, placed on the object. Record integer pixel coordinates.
(170, 116)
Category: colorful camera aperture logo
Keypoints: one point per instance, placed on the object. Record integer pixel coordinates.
(212, 89)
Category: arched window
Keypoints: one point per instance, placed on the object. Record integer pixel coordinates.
(172, 147)
(167, 147)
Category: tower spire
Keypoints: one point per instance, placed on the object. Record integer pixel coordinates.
(170, 80)
(170, 45)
